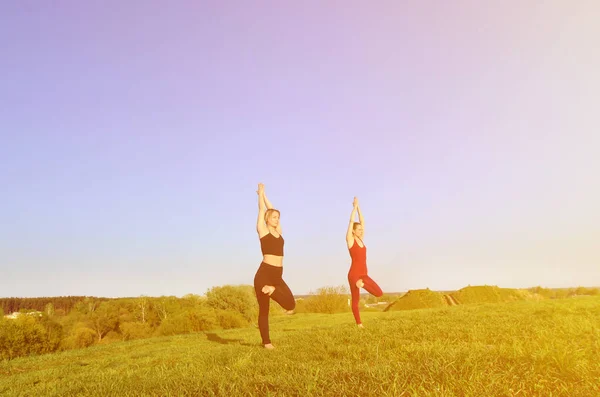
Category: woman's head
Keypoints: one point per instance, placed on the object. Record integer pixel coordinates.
(272, 217)
(357, 229)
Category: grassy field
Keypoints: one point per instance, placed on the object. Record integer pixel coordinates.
(545, 348)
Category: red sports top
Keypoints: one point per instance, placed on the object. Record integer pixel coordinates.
(359, 259)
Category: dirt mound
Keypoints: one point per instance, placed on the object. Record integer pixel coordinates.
(488, 294)
(425, 298)
(450, 301)
(418, 299)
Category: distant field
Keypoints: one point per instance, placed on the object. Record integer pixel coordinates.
(524, 348)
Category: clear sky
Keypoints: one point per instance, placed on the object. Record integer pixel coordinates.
(134, 134)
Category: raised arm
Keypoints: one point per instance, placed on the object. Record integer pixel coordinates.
(360, 217)
(349, 236)
(270, 206)
(267, 202)
(261, 226)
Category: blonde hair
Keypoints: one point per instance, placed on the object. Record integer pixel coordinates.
(269, 212)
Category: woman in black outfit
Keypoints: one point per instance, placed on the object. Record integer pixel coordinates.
(268, 281)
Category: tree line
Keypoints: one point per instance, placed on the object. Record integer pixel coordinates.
(46, 325)
(61, 304)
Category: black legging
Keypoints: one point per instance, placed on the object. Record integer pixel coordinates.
(270, 275)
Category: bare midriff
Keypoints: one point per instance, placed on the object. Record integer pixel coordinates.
(273, 260)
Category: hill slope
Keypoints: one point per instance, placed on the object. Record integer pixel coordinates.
(530, 348)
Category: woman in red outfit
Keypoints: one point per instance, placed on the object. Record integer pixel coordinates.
(357, 276)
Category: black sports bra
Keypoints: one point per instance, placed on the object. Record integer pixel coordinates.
(271, 245)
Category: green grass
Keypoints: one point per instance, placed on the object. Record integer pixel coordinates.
(545, 348)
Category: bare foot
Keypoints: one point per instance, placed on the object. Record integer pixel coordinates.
(268, 289)
(360, 326)
(289, 312)
(360, 283)
(269, 346)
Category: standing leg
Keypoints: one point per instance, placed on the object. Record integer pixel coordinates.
(263, 306)
(355, 292)
(371, 286)
(263, 314)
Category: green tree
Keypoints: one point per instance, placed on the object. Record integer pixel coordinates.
(49, 309)
(86, 306)
(143, 306)
(104, 319)
(165, 306)
(54, 333)
(21, 336)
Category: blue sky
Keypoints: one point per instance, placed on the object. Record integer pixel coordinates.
(133, 138)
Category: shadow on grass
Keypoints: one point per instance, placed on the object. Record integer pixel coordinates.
(216, 338)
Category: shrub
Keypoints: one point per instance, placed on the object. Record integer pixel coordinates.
(543, 292)
(111, 337)
(327, 300)
(203, 319)
(134, 330)
(83, 337)
(300, 306)
(562, 293)
(239, 298)
(228, 320)
(586, 291)
(26, 335)
(174, 325)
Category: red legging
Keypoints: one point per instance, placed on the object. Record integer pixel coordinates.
(371, 287)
